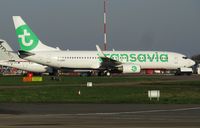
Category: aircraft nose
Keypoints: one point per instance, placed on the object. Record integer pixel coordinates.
(191, 62)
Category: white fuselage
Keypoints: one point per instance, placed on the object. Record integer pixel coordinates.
(10, 58)
(26, 65)
(91, 60)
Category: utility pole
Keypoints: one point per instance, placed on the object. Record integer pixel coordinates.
(105, 33)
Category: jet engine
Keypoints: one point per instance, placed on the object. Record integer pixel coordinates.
(129, 68)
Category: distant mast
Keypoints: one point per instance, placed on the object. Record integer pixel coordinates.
(105, 34)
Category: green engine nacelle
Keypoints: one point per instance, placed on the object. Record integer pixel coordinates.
(129, 68)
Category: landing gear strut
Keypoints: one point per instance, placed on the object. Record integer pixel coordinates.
(56, 75)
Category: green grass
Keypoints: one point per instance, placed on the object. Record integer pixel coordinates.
(13, 81)
(104, 90)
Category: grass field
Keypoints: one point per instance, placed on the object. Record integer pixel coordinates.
(118, 89)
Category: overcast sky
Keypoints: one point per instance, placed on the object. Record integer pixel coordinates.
(170, 25)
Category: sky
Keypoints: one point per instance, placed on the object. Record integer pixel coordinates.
(164, 25)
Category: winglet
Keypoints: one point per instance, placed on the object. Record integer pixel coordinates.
(100, 52)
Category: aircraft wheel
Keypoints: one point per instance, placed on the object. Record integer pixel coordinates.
(108, 73)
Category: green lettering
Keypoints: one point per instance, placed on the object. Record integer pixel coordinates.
(124, 57)
(157, 58)
(107, 55)
(142, 57)
(151, 58)
(114, 56)
(164, 58)
(133, 58)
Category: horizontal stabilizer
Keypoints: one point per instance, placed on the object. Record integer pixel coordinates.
(25, 53)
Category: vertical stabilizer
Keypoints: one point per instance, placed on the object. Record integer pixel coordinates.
(27, 39)
(6, 52)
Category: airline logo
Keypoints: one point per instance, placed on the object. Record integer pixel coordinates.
(26, 38)
(134, 68)
(131, 58)
(147, 57)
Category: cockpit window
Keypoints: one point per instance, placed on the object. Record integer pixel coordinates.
(185, 57)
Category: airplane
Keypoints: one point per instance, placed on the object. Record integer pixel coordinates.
(10, 58)
(105, 62)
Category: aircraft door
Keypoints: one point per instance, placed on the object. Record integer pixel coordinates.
(176, 60)
(48, 59)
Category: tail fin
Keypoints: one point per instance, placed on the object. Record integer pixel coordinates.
(6, 52)
(27, 39)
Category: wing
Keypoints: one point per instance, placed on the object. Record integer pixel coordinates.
(106, 62)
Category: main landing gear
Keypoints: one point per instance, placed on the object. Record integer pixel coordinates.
(104, 73)
(56, 75)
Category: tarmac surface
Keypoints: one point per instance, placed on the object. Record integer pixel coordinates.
(14, 115)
